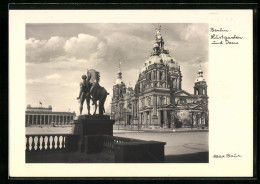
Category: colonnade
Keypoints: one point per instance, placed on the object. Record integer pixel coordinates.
(47, 119)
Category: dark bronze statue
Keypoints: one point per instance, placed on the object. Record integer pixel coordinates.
(84, 93)
(97, 92)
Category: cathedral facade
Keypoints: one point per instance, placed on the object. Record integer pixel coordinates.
(158, 100)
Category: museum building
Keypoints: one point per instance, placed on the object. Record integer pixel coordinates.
(45, 116)
(158, 99)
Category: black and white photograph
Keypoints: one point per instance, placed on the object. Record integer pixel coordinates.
(132, 93)
(116, 93)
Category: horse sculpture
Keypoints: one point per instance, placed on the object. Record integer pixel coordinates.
(97, 92)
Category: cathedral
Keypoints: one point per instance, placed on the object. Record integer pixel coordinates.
(158, 100)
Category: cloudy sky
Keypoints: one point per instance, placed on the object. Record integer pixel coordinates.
(58, 54)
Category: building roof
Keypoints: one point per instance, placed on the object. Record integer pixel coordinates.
(182, 93)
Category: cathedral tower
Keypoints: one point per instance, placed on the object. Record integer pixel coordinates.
(200, 87)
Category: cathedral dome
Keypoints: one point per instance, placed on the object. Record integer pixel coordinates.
(160, 55)
(167, 58)
(155, 59)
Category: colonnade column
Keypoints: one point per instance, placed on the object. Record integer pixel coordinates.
(36, 122)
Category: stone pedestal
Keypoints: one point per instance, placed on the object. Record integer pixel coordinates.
(87, 125)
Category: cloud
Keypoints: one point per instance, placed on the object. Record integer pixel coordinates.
(53, 76)
(82, 46)
(40, 51)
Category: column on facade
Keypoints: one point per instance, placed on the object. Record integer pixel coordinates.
(177, 83)
(154, 105)
(137, 108)
(150, 117)
(158, 75)
(145, 117)
(165, 118)
(203, 118)
(159, 117)
(68, 120)
(168, 100)
(32, 119)
(152, 75)
(200, 119)
(158, 100)
(40, 120)
(36, 119)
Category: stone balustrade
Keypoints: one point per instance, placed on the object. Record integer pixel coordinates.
(49, 142)
(126, 150)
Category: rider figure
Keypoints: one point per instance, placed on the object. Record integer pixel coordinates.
(84, 93)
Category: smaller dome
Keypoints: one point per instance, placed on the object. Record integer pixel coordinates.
(159, 36)
(119, 81)
(199, 79)
(155, 45)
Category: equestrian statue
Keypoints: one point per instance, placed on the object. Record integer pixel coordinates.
(90, 89)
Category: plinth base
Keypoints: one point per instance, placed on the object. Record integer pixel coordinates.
(87, 125)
